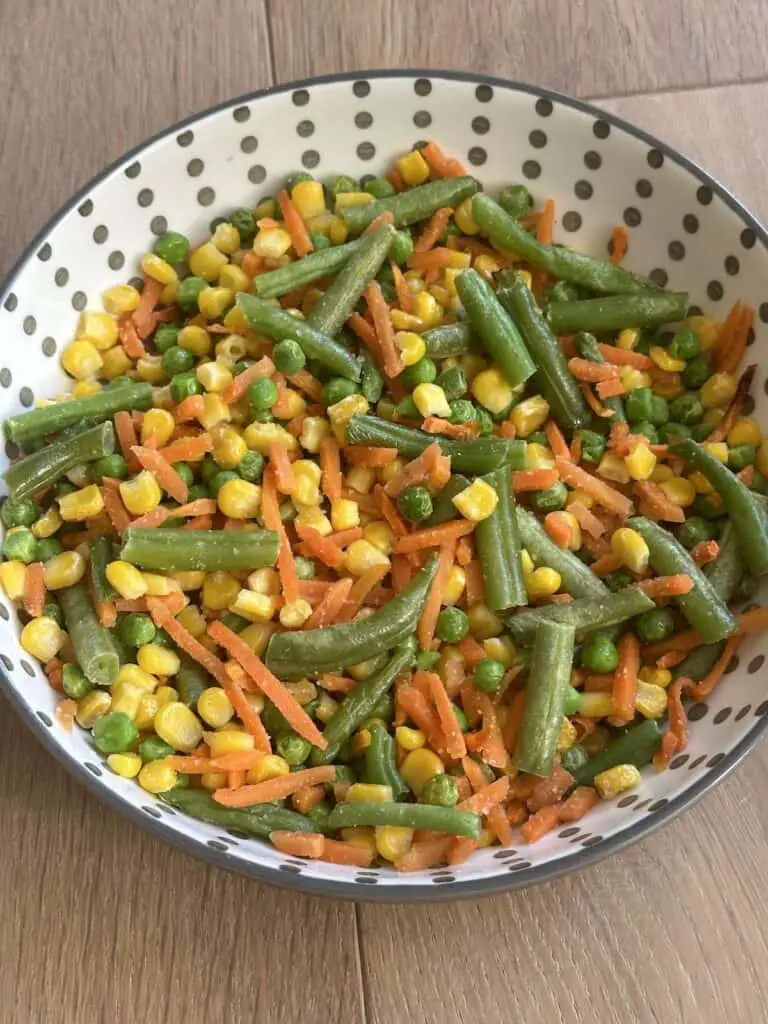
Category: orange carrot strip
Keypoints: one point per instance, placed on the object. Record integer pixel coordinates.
(270, 510)
(670, 660)
(385, 217)
(557, 529)
(591, 373)
(189, 764)
(337, 852)
(275, 789)
(460, 849)
(320, 547)
(416, 471)
(546, 223)
(594, 403)
(107, 613)
(305, 799)
(373, 458)
(619, 243)
(330, 465)
(237, 760)
(365, 332)
(420, 711)
(667, 586)
(294, 225)
(343, 538)
(281, 466)
(436, 536)
(604, 495)
(434, 228)
(263, 368)
(189, 409)
(299, 844)
(144, 317)
(360, 589)
(436, 425)
(304, 381)
(454, 738)
(484, 799)
(534, 479)
(330, 605)
(626, 357)
(705, 551)
(403, 292)
(475, 587)
(433, 260)
(125, 429)
(611, 388)
(625, 677)
(659, 503)
(606, 564)
(385, 334)
(129, 338)
(34, 589)
(550, 790)
(440, 165)
(471, 651)
(425, 854)
(163, 471)
(199, 523)
(336, 684)
(540, 823)
(489, 741)
(113, 503)
(676, 737)
(556, 440)
(475, 774)
(587, 520)
(702, 689)
(198, 507)
(581, 800)
(729, 361)
(151, 520)
(187, 449)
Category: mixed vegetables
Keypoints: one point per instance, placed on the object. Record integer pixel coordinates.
(381, 526)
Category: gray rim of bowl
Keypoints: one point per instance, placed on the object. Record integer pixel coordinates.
(351, 889)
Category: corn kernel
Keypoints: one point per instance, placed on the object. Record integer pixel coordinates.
(628, 338)
(98, 328)
(616, 780)
(160, 586)
(42, 638)
(718, 390)
(393, 841)
(613, 467)
(79, 505)
(380, 535)
(156, 777)
(126, 698)
(706, 327)
(215, 707)
(345, 514)
(483, 623)
(141, 493)
(157, 268)
(427, 309)
(391, 470)
(492, 391)
(239, 499)
(257, 636)
(361, 479)
(166, 695)
(149, 705)
(212, 302)
(232, 348)
(13, 575)
(309, 199)
(640, 462)
(254, 607)
(631, 549)
(127, 766)
(650, 701)
(632, 378)
(259, 436)
(413, 168)
(226, 238)
(85, 388)
(454, 586)
(81, 359)
(464, 218)
(542, 582)
(233, 278)
(122, 298)
(362, 837)
(655, 676)
(700, 483)
(307, 476)
(412, 347)
(745, 431)
(158, 423)
(206, 261)
(346, 199)
(219, 590)
(115, 363)
(338, 231)
(409, 739)
(313, 431)
(126, 580)
(665, 361)
(403, 321)
(662, 473)
(418, 767)
(596, 705)
(91, 708)
(230, 741)
(195, 339)
(568, 736)
(679, 491)
(137, 677)
(311, 515)
(538, 456)
(529, 415)
(178, 726)
(264, 581)
(269, 767)
(294, 614)
(272, 242)
(487, 266)
(363, 669)
(157, 660)
(362, 555)
(669, 387)
(719, 449)
(213, 780)
(476, 502)
(64, 570)
(714, 415)
(362, 792)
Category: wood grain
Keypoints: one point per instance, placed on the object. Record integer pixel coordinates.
(585, 47)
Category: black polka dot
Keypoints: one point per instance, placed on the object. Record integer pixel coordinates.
(116, 260)
(762, 312)
(694, 311)
(644, 188)
(158, 225)
(6, 661)
(44, 253)
(133, 170)
(715, 760)
(4, 613)
(215, 223)
(715, 291)
(146, 197)
(136, 282)
(731, 265)
(364, 119)
(27, 667)
(592, 160)
(697, 711)
(748, 238)
(676, 250)
(289, 869)
(310, 158)
(655, 158)
(206, 196)
(691, 223)
(627, 801)
(44, 718)
(256, 174)
(722, 715)
(583, 189)
(79, 301)
(241, 114)
(761, 709)
(658, 805)
(484, 94)
(520, 866)
(29, 325)
(642, 805)
(249, 143)
(11, 302)
(592, 841)
(49, 347)
(442, 879)
(632, 217)
(531, 169)
(678, 762)
(756, 664)
(61, 277)
(704, 195)
(13, 451)
(742, 712)
(365, 880)
(361, 88)
(85, 209)
(537, 138)
(481, 125)
(188, 137)
(505, 854)
(748, 406)
(366, 151)
(477, 156)
(732, 665)
(100, 234)
(303, 129)
(300, 98)
(601, 129)
(215, 844)
(26, 397)
(571, 220)
(195, 167)
(659, 276)
(568, 832)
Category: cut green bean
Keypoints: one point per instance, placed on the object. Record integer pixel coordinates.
(379, 758)
(429, 816)
(443, 508)
(102, 553)
(636, 746)
(450, 340)
(578, 579)
(328, 649)
(276, 323)
(50, 419)
(96, 653)
(300, 273)
(495, 328)
(564, 264)
(414, 205)
(206, 550)
(558, 384)
(45, 467)
(498, 547)
(587, 347)
(545, 693)
(615, 312)
(476, 456)
(585, 614)
(260, 820)
(699, 663)
(330, 312)
(191, 680)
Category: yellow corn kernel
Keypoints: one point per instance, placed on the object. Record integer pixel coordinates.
(569, 520)
(393, 841)
(259, 436)
(91, 708)
(206, 261)
(157, 660)
(141, 493)
(313, 431)
(362, 792)
(391, 470)
(326, 707)
(115, 363)
(492, 390)
(321, 224)
(150, 368)
(529, 415)
(718, 390)
(255, 702)
(257, 636)
(219, 590)
(264, 581)
(412, 347)
(226, 238)
(127, 766)
(215, 411)
(578, 496)
(346, 199)
(538, 456)
(254, 607)
(651, 701)
(464, 218)
(64, 570)
(454, 586)
(158, 269)
(700, 483)
(156, 777)
(361, 555)
(338, 231)
(640, 462)
(616, 780)
(215, 707)
(596, 705)
(232, 348)
(706, 327)
(418, 767)
(403, 321)
(526, 562)
(42, 638)
(679, 491)
(191, 579)
(500, 648)
(157, 422)
(761, 459)
(362, 837)
(126, 579)
(293, 404)
(126, 698)
(568, 736)
(195, 339)
(149, 705)
(613, 467)
(309, 199)
(158, 585)
(714, 415)
(307, 477)
(414, 168)
(193, 620)
(48, 523)
(233, 278)
(380, 535)
(483, 623)
(669, 387)
(169, 293)
(477, 501)
(81, 359)
(122, 298)
(272, 243)
(628, 338)
(138, 677)
(487, 266)
(239, 499)
(719, 449)
(213, 780)
(13, 575)
(269, 767)
(311, 515)
(662, 473)
(665, 361)
(98, 328)
(631, 549)
(655, 676)
(212, 302)
(542, 582)
(345, 514)
(229, 448)
(166, 695)
(363, 669)
(745, 431)
(427, 309)
(178, 726)
(632, 378)
(229, 741)
(409, 739)
(361, 479)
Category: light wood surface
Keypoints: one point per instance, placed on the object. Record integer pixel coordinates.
(100, 922)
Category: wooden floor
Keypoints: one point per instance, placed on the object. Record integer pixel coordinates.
(101, 923)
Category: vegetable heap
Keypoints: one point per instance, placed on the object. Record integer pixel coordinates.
(381, 526)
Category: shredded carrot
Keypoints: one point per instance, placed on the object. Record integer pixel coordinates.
(54, 674)
(534, 479)
(403, 292)
(330, 464)
(594, 404)
(385, 334)
(420, 711)
(116, 511)
(372, 458)
(591, 373)
(327, 611)
(667, 586)
(343, 538)
(189, 764)
(733, 411)
(127, 438)
(198, 507)
(427, 467)
(336, 852)
(611, 388)
(299, 844)
(187, 449)
(550, 790)
(434, 260)
(705, 551)
(436, 425)
(240, 384)
(189, 409)
(670, 660)
(436, 536)
(435, 226)
(162, 616)
(305, 799)
(465, 551)
(129, 338)
(619, 243)
(557, 442)
(587, 520)
(659, 503)
(546, 223)
(199, 523)
(675, 739)
(581, 800)
(385, 217)
(322, 548)
(107, 613)
(702, 689)
(144, 317)
(366, 334)
(475, 774)
(625, 677)
(34, 589)
(558, 529)
(454, 739)
(294, 225)
(336, 684)
(152, 519)
(440, 165)
(304, 381)
(540, 823)
(275, 789)
(281, 466)
(425, 854)
(484, 799)
(163, 471)
(626, 357)
(731, 345)
(602, 493)
(460, 849)
(475, 586)
(270, 510)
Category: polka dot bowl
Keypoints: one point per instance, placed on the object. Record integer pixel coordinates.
(686, 231)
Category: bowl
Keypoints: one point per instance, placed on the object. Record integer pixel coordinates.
(686, 231)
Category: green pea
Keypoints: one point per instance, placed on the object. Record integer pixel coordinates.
(572, 701)
(177, 360)
(208, 469)
(599, 653)
(240, 366)
(166, 336)
(380, 188)
(305, 568)
(21, 545)
(188, 292)
(154, 749)
(171, 247)
(701, 431)
(551, 499)
(221, 478)
(516, 200)
(163, 640)
(647, 430)
(293, 179)
(262, 416)
(672, 432)
(426, 660)
(113, 466)
(488, 675)
(452, 625)
(74, 682)
(288, 356)
(184, 385)
(659, 411)
(294, 749)
(461, 718)
(197, 491)
(462, 411)
(185, 472)
(695, 530)
(262, 394)
(423, 372)
(319, 241)
(441, 790)
(592, 445)
(573, 758)
(453, 381)
(655, 625)
(136, 629)
(741, 456)
(343, 183)
(338, 388)
(47, 547)
(639, 405)
(687, 409)
(401, 247)
(51, 610)
(19, 513)
(415, 503)
(251, 466)
(114, 733)
(697, 372)
(685, 345)
(242, 219)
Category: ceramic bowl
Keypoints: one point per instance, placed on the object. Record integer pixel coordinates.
(686, 231)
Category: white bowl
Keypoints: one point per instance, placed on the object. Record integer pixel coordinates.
(686, 229)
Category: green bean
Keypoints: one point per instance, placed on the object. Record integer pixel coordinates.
(585, 614)
(749, 520)
(102, 553)
(333, 647)
(359, 703)
(476, 456)
(330, 312)
(587, 347)
(558, 384)
(615, 312)
(380, 768)
(495, 328)
(414, 205)
(277, 324)
(702, 607)
(300, 273)
(498, 547)
(545, 693)
(207, 550)
(95, 650)
(636, 746)
(450, 340)
(45, 467)
(578, 579)
(699, 662)
(564, 264)
(429, 816)
(191, 680)
(443, 508)
(50, 419)
(260, 820)
(371, 381)
(516, 200)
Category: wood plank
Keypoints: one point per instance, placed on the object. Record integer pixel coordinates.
(585, 47)
(669, 930)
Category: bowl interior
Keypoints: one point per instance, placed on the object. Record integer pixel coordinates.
(686, 231)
